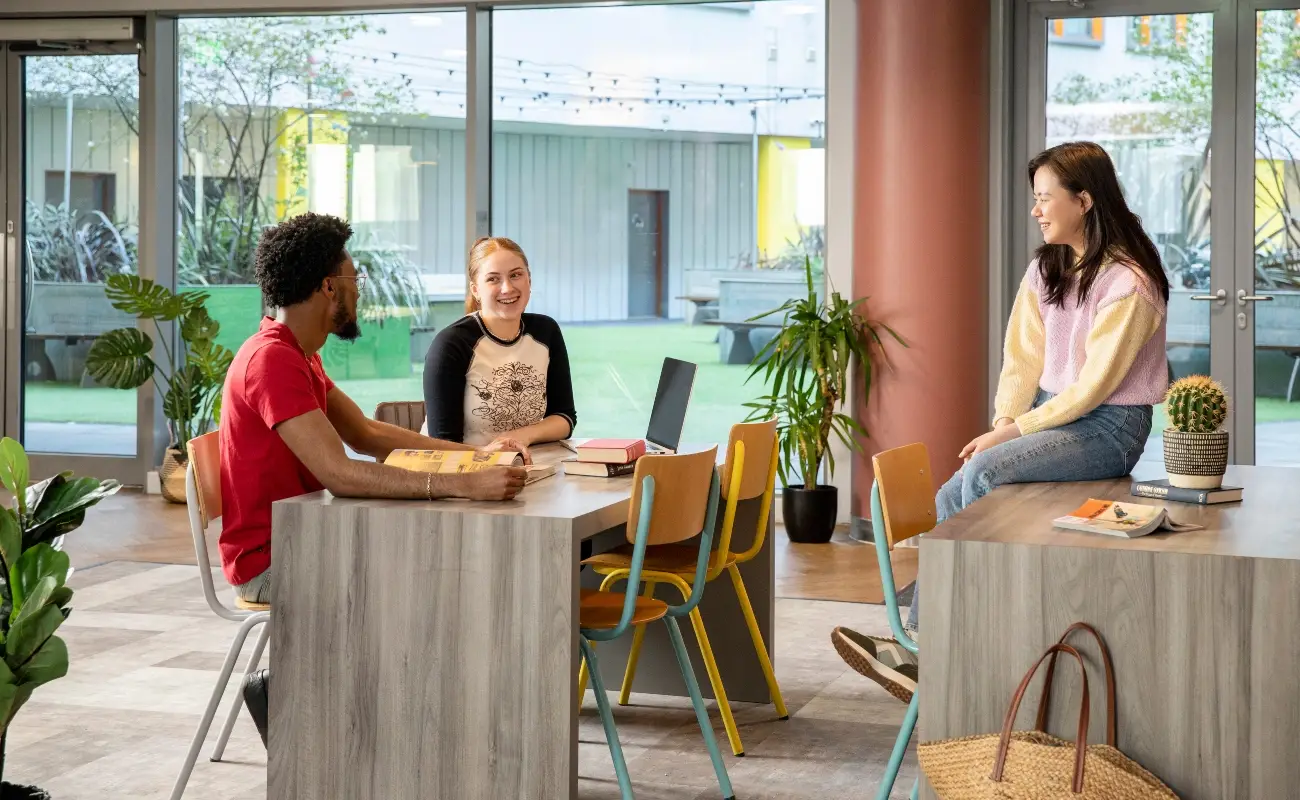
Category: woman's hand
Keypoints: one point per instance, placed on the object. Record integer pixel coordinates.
(508, 443)
(999, 435)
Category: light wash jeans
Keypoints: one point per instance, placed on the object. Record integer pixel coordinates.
(1106, 443)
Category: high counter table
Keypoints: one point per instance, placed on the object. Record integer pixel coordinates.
(429, 649)
(1201, 625)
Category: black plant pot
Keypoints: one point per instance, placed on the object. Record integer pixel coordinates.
(810, 513)
(9, 791)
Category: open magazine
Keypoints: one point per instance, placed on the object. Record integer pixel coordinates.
(1128, 520)
(452, 461)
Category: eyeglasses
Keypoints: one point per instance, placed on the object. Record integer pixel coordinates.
(360, 278)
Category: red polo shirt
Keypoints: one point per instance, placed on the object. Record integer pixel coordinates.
(270, 380)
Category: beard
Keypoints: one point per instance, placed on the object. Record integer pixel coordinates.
(345, 325)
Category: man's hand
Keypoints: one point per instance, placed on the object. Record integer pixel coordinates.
(508, 444)
(999, 435)
(495, 483)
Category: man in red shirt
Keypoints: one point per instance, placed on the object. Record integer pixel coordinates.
(284, 422)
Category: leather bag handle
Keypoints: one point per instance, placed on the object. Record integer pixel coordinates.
(1080, 741)
(1111, 725)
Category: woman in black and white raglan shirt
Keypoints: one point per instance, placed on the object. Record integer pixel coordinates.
(499, 370)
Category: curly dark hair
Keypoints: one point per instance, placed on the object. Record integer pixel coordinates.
(295, 256)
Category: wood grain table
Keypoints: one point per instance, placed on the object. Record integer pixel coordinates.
(429, 649)
(1202, 627)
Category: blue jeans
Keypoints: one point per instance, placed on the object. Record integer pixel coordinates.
(1104, 444)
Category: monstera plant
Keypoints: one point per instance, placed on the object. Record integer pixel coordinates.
(34, 595)
(190, 379)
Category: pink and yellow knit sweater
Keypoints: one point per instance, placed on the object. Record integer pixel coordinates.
(1108, 350)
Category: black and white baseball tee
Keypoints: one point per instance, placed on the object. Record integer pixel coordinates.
(477, 387)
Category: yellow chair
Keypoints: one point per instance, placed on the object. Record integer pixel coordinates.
(749, 472)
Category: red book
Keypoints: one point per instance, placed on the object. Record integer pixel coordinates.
(612, 451)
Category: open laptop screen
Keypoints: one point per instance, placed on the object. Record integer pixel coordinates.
(668, 416)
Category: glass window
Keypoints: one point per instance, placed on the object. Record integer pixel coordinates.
(358, 116)
(82, 198)
(1276, 238)
(660, 189)
(1151, 111)
(1082, 31)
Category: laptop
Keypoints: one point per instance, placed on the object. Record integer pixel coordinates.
(668, 415)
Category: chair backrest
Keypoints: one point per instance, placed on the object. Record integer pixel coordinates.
(906, 490)
(755, 460)
(203, 499)
(407, 414)
(205, 456)
(682, 487)
(753, 450)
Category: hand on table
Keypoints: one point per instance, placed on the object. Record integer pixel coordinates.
(510, 444)
(495, 483)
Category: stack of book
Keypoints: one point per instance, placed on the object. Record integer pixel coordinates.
(605, 458)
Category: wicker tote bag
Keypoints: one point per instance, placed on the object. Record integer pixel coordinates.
(1035, 764)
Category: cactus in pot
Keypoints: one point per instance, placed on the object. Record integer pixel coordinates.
(1196, 450)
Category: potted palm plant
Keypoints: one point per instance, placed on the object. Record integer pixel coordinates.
(807, 366)
(190, 379)
(34, 595)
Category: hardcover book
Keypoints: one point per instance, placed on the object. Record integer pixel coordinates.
(1161, 490)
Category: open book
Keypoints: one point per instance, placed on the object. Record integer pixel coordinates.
(1129, 520)
(451, 461)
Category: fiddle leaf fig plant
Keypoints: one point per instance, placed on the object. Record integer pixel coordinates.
(189, 381)
(808, 365)
(34, 596)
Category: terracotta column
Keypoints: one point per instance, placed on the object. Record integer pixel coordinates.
(922, 220)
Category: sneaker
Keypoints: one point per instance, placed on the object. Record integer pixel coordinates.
(256, 685)
(880, 658)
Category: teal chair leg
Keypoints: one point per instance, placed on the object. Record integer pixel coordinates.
(684, 661)
(916, 787)
(900, 747)
(607, 719)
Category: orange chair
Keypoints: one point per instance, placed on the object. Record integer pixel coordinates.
(749, 472)
(674, 498)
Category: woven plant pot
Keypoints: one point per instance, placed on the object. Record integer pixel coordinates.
(171, 475)
(1196, 460)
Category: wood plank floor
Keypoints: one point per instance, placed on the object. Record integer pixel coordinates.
(131, 526)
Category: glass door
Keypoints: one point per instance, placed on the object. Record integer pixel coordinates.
(1144, 88)
(1266, 307)
(71, 212)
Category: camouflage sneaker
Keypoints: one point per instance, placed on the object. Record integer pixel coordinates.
(880, 658)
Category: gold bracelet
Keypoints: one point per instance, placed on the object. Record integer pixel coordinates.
(428, 485)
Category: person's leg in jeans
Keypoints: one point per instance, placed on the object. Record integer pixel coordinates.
(1106, 443)
(257, 683)
(948, 503)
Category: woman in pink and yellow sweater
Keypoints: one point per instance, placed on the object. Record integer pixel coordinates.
(1084, 360)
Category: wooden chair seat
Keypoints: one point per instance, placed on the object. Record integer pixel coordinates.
(674, 559)
(604, 610)
(249, 605)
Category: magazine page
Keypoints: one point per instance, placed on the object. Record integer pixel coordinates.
(447, 461)
(1108, 516)
(1120, 519)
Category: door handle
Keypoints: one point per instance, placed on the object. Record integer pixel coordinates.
(1220, 297)
(10, 277)
(1243, 298)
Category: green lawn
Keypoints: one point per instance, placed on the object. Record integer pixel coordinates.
(615, 369)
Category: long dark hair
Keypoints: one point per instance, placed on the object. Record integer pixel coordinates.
(1110, 230)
